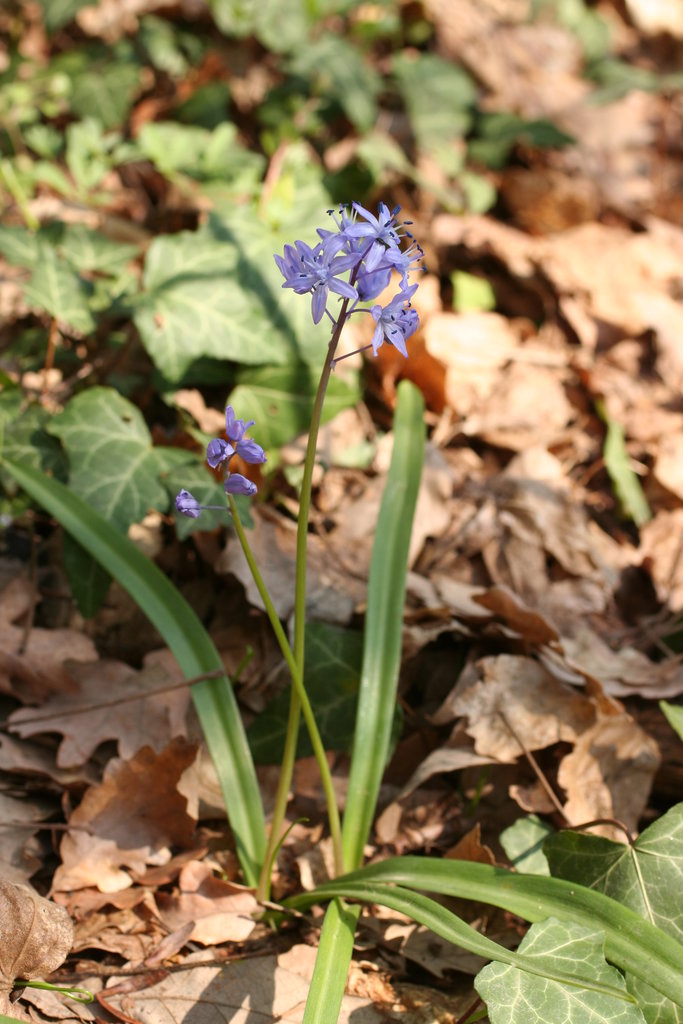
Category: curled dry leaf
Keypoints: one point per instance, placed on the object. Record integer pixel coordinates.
(35, 937)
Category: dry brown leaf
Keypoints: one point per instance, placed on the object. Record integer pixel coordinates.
(135, 722)
(36, 657)
(239, 992)
(35, 937)
(624, 672)
(609, 774)
(127, 822)
(17, 861)
(662, 545)
(221, 912)
(518, 696)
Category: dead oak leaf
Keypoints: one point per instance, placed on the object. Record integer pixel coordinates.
(88, 717)
(220, 912)
(517, 697)
(127, 822)
(36, 657)
(609, 774)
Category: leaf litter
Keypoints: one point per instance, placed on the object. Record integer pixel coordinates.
(539, 619)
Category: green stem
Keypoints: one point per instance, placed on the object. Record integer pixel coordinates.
(287, 766)
(304, 703)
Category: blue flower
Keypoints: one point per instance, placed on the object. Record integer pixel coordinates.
(316, 270)
(395, 322)
(235, 483)
(218, 451)
(382, 228)
(188, 505)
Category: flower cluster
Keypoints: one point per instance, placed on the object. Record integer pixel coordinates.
(219, 453)
(368, 249)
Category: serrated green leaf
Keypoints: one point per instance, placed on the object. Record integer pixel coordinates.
(58, 289)
(280, 400)
(333, 660)
(114, 466)
(517, 997)
(105, 85)
(523, 843)
(642, 876)
(199, 152)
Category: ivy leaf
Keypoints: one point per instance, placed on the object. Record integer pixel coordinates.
(114, 466)
(333, 660)
(642, 876)
(89, 582)
(62, 292)
(523, 843)
(280, 400)
(217, 292)
(513, 996)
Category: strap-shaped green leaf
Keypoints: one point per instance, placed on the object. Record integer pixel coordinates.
(383, 623)
(188, 640)
(631, 942)
(449, 926)
(331, 963)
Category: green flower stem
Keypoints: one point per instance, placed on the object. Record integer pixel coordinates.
(292, 734)
(305, 705)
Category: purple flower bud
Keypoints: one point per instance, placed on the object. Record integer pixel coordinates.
(234, 428)
(250, 451)
(235, 483)
(187, 505)
(218, 451)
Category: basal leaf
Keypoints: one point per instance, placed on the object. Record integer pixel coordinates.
(113, 464)
(513, 996)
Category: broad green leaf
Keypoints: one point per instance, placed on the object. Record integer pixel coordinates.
(332, 670)
(280, 399)
(513, 996)
(199, 152)
(89, 582)
(642, 876)
(19, 245)
(498, 133)
(674, 716)
(188, 640)
(58, 289)
(383, 623)
(57, 13)
(107, 83)
(438, 96)
(523, 843)
(217, 292)
(25, 437)
(631, 942)
(114, 466)
(340, 73)
(86, 249)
